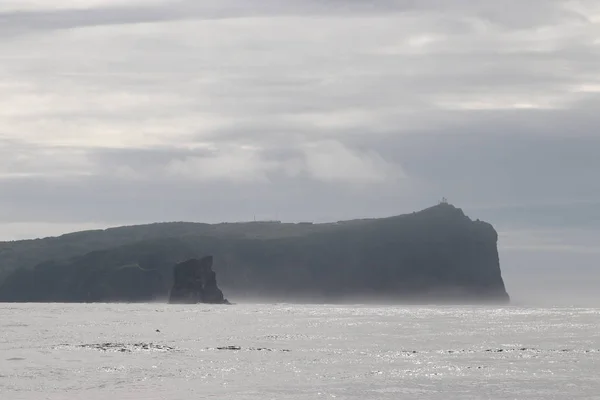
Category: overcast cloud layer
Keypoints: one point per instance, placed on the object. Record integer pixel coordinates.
(120, 111)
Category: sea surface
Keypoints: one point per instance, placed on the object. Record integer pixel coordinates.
(284, 351)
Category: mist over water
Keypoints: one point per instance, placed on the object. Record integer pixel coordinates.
(551, 279)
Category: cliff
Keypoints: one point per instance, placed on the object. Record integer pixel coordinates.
(435, 255)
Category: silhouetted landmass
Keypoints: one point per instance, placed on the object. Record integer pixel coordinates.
(437, 254)
(195, 282)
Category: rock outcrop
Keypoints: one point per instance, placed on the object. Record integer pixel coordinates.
(194, 282)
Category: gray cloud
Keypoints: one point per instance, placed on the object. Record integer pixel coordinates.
(511, 14)
(23, 21)
(319, 110)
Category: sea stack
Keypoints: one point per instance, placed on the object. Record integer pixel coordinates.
(194, 282)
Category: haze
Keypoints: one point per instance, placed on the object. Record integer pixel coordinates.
(121, 112)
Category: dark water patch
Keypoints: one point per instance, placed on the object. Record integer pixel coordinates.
(534, 350)
(16, 359)
(501, 350)
(238, 348)
(235, 348)
(127, 348)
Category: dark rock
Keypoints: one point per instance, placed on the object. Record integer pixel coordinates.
(194, 282)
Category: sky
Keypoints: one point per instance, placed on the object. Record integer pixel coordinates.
(120, 112)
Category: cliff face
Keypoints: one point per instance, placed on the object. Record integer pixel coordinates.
(194, 282)
(67, 283)
(435, 255)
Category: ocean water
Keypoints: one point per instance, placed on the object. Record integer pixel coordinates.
(283, 351)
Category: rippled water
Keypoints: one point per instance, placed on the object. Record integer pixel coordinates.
(159, 351)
